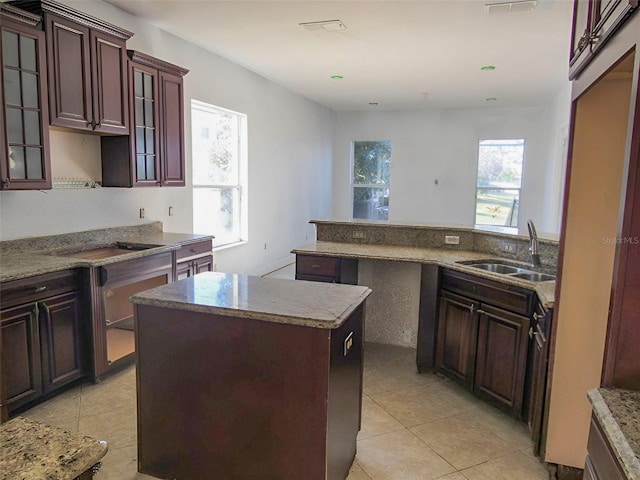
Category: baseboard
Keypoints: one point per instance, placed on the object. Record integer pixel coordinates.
(273, 266)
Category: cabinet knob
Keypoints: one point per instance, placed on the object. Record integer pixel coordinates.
(40, 289)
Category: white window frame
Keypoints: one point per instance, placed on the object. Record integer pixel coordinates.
(354, 185)
(241, 186)
(518, 189)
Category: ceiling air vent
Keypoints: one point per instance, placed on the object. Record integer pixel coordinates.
(511, 7)
(325, 25)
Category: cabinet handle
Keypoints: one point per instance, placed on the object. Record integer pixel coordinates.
(537, 316)
(532, 333)
(315, 265)
(40, 289)
(471, 308)
(481, 312)
(6, 182)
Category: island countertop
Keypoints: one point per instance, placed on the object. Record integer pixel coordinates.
(296, 302)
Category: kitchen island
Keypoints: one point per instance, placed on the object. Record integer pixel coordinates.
(248, 377)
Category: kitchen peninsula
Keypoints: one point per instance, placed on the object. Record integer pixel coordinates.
(249, 377)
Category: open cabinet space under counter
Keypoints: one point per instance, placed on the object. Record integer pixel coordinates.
(269, 373)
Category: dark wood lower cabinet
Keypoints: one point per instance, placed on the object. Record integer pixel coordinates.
(22, 370)
(457, 338)
(483, 345)
(319, 268)
(42, 337)
(601, 463)
(501, 358)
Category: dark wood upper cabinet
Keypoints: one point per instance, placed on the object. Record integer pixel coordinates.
(86, 59)
(24, 136)
(153, 153)
(594, 23)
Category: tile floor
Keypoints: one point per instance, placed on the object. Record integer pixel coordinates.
(415, 427)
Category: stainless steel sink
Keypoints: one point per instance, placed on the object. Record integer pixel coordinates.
(505, 267)
(534, 276)
(497, 268)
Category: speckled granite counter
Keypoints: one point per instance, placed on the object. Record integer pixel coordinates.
(34, 256)
(31, 450)
(439, 256)
(275, 300)
(618, 411)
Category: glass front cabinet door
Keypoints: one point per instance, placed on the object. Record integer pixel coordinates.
(24, 133)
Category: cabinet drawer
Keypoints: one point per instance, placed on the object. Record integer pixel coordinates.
(603, 462)
(312, 265)
(509, 297)
(36, 288)
(194, 250)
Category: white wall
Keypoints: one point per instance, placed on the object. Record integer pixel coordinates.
(289, 160)
(442, 145)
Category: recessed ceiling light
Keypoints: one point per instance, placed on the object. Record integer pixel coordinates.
(510, 6)
(487, 68)
(337, 77)
(491, 99)
(324, 25)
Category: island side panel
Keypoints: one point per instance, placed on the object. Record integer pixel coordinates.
(225, 397)
(345, 394)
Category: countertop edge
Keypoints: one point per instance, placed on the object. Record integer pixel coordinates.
(623, 451)
(321, 249)
(271, 317)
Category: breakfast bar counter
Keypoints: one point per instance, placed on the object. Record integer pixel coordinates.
(249, 377)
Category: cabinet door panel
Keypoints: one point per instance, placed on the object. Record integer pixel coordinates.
(172, 121)
(21, 355)
(457, 334)
(60, 332)
(110, 102)
(502, 358)
(204, 264)
(69, 74)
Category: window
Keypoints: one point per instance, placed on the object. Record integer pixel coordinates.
(371, 163)
(499, 182)
(219, 152)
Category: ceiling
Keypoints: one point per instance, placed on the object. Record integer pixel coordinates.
(399, 54)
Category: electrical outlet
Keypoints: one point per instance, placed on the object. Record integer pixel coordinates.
(171, 211)
(509, 247)
(452, 240)
(142, 213)
(358, 234)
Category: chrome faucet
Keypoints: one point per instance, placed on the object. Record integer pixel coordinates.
(533, 247)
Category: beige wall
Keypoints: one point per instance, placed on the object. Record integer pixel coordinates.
(591, 226)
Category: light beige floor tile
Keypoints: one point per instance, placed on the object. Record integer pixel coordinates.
(61, 411)
(512, 431)
(400, 456)
(357, 473)
(513, 466)
(453, 476)
(462, 442)
(118, 394)
(117, 427)
(375, 420)
(121, 464)
(414, 406)
(383, 380)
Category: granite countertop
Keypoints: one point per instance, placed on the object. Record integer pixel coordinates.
(28, 264)
(31, 450)
(310, 304)
(618, 412)
(438, 256)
